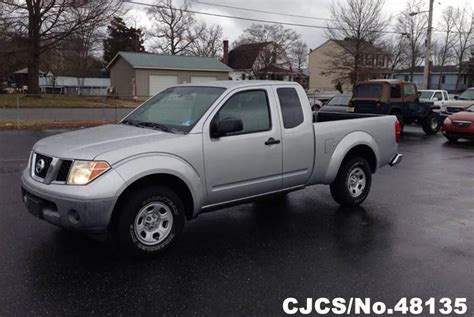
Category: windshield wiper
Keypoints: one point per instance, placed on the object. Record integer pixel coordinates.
(155, 125)
(144, 124)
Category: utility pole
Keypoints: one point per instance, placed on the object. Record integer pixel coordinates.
(426, 72)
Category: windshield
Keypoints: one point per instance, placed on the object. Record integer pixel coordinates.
(175, 109)
(467, 95)
(426, 95)
(368, 91)
(340, 100)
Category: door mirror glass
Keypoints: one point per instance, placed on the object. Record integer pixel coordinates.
(226, 126)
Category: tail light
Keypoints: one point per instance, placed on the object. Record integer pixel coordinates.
(398, 131)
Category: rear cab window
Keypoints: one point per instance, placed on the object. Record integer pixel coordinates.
(291, 109)
(368, 91)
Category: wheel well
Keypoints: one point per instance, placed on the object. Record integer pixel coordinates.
(365, 152)
(171, 181)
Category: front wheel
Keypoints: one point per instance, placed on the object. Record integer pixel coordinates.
(352, 184)
(431, 124)
(149, 221)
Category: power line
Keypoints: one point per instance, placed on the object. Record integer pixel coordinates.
(246, 19)
(260, 11)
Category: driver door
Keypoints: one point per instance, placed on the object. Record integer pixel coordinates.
(244, 163)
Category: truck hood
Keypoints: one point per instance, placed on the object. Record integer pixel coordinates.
(86, 144)
(459, 103)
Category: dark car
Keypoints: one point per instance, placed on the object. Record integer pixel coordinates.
(459, 125)
(337, 103)
(398, 98)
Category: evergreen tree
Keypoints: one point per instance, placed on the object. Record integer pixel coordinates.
(122, 38)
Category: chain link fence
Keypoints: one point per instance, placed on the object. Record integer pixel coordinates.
(21, 111)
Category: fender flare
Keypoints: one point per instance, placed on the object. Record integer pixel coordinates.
(349, 142)
(138, 167)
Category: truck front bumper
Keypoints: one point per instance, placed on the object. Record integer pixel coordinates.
(81, 211)
(396, 159)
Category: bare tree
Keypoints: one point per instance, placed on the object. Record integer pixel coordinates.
(207, 40)
(275, 42)
(463, 28)
(172, 27)
(299, 54)
(46, 23)
(361, 24)
(414, 28)
(443, 48)
(397, 47)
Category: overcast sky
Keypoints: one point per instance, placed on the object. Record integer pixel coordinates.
(314, 8)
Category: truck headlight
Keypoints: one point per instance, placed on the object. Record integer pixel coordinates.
(84, 172)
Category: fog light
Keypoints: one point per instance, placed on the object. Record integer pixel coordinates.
(74, 216)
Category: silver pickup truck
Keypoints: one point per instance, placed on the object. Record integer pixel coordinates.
(196, 148)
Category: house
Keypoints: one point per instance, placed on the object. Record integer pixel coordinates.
(375, 63)
(258, 61)
(90, 84)
(301, 76)
(145, 74)
(442, 77)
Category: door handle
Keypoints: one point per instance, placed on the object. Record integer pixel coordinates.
(272, 141)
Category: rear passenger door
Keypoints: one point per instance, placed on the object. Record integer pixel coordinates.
(248, 162)
(297, 136)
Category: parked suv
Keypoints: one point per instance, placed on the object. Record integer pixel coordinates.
(398, 98)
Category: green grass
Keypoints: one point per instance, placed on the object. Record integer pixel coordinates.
(63, 101)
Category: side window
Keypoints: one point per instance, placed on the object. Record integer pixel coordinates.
(395, 91)
(291, 109)
(445, 94)
(409, 90)
(438, 96)
(249, 106)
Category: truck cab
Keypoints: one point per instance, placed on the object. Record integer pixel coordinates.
(398, 98)
(438, 97)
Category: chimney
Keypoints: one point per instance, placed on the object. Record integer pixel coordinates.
(226, 52)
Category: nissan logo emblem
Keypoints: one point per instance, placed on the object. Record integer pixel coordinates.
(40, 165)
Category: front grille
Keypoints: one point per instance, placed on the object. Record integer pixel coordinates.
(453, 109)
(63, 170)
(41, 165)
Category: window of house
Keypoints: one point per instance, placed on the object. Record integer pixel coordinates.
(291, 109)
(443, 79)
(243, 76)
(251, 107)
(405, 78)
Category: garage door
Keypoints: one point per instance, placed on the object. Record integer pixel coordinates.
(161, 82)
(202, 79)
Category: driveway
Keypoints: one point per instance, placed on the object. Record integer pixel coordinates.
(414, 236)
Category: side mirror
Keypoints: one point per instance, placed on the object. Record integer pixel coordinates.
(226, 126)
(456, 97)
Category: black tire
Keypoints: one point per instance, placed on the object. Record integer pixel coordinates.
(340, 189)
(451, 138)
(431, 124)
(136, 202)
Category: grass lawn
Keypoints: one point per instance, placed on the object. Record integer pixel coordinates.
(64, 101)
(50, 124)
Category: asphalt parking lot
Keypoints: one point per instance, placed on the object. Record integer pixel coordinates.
(414, 236)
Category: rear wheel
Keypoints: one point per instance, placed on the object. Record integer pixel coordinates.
(431, 124)
(149, 221)
(352, 184)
